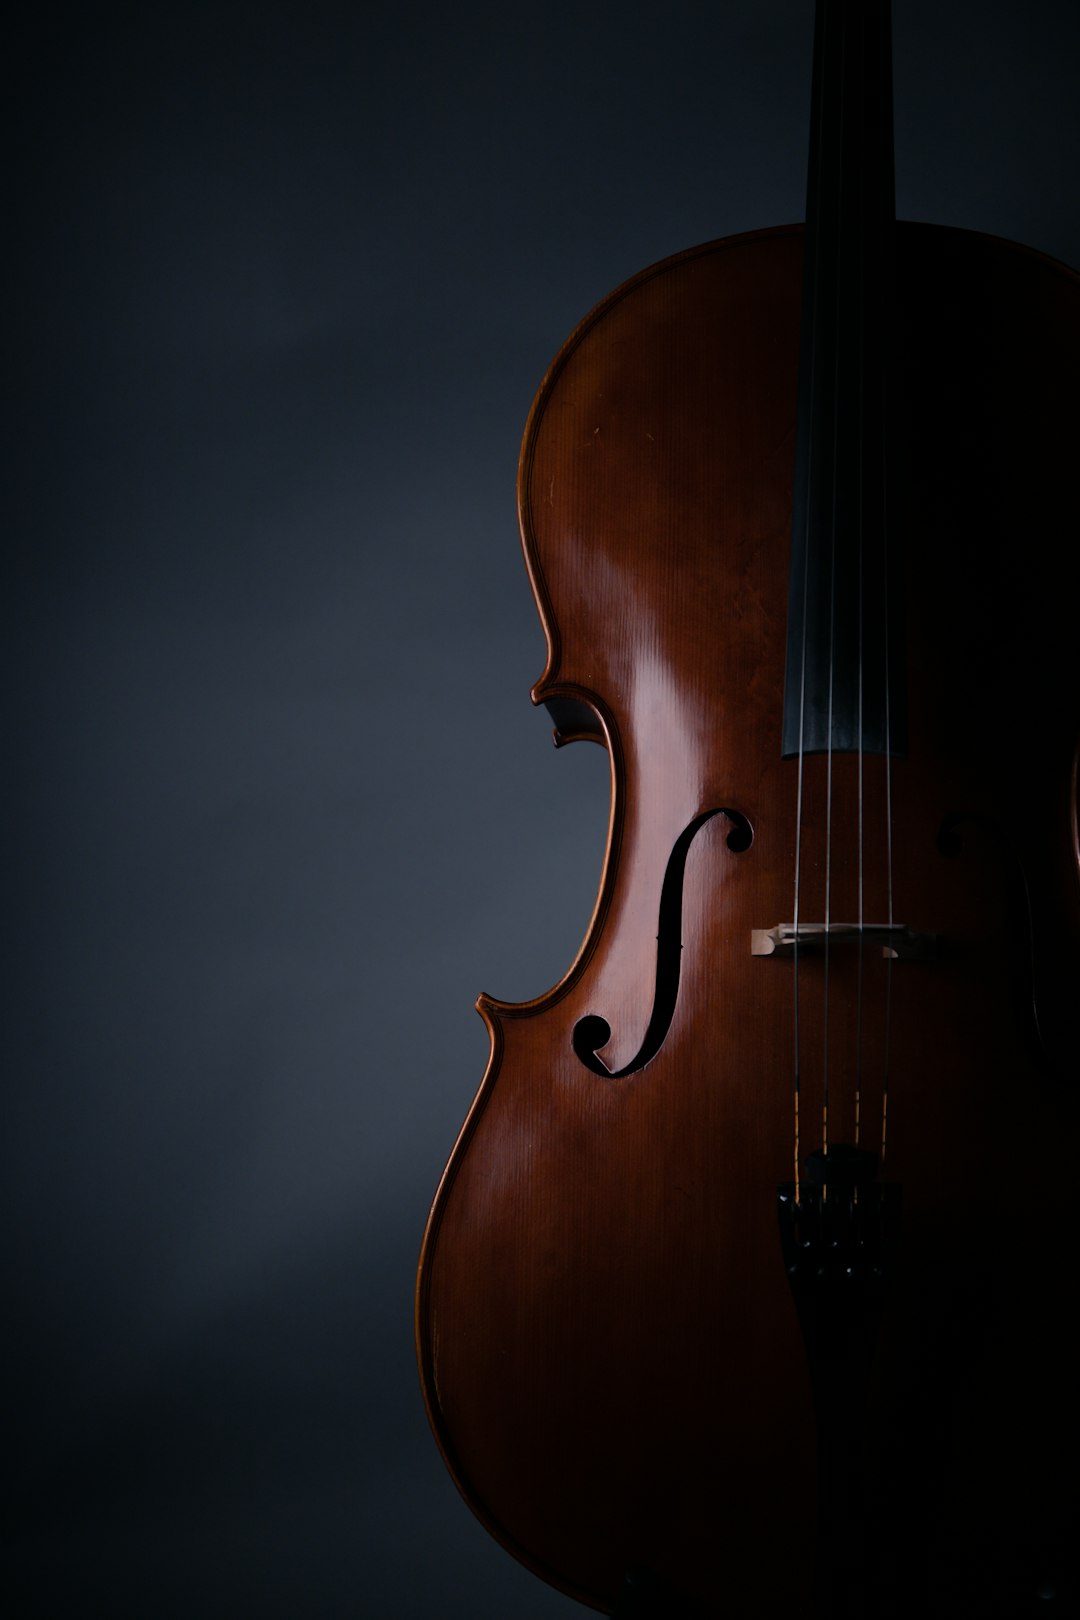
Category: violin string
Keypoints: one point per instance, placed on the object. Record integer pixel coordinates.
(888, 823)
(813, 211)
(861, 531)
(799, 799)
(828, 856)
(884, 371)
(798, 853)
(802, 756)
(832, 611)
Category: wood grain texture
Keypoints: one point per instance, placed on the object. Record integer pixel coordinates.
(609, 1352)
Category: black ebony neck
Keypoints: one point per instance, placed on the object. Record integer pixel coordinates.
(844, 688)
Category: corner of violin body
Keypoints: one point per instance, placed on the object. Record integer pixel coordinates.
(573, 718)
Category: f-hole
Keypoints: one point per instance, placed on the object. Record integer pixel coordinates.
(592, 1032)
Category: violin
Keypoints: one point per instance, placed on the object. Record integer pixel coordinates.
(747, 1286)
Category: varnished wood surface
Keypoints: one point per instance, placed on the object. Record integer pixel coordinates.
(608, 1347)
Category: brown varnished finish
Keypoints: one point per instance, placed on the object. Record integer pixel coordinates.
(609, 1351)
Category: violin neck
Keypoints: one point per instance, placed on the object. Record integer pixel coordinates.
(844, 689)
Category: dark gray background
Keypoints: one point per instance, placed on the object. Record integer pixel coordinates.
(285, 280)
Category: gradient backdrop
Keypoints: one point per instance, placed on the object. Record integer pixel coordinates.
(286, 277)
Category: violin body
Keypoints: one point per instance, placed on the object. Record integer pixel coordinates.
(610, 1350)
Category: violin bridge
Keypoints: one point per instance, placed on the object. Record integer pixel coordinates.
(894, 939)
